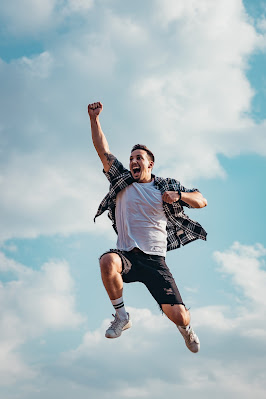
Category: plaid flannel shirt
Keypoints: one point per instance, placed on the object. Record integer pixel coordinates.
(181, 230)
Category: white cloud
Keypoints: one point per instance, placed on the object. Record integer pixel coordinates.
(202, 98)
(174, 76)
(155, 362)
(152, 354)
(40, 198)
(261, 24)
(32, 302)
(206, 379)
(12, 366)
(154, 344)
(216, 28)
(245, 265)
(126, 30)
(144, 322)
(179, 75)
(39, 65)
(25, 16)
(78, 5)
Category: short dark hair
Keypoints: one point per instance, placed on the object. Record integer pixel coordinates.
(143, 147)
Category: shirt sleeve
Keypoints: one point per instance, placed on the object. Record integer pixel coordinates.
(188, 190)
(117, 169)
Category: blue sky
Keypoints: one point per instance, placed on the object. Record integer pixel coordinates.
(187, 78)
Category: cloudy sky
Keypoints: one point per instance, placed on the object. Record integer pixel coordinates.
(187, 78)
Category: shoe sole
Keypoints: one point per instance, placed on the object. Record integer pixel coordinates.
(128, 325)
(197, 349)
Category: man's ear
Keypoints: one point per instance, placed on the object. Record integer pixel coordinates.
(151, 165)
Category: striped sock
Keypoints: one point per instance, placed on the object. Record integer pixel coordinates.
(119, 306)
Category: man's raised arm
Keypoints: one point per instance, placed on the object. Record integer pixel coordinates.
(98, 137)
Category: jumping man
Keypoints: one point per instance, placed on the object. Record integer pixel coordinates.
(147, 214)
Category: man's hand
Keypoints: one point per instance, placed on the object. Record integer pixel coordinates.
(170, 196)
(95, 109)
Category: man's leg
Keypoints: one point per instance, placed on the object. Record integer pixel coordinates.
(180, 316)
(111, 269)
(161, 284)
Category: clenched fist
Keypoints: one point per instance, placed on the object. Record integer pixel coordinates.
(170, 196)
(95, 109)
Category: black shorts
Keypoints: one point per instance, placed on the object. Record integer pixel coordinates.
(152, 271)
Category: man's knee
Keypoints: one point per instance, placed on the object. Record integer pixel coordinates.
(110, 263)
(178, 314)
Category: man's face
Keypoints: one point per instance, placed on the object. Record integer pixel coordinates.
(140, 166)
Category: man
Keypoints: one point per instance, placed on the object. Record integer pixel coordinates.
(147, 214)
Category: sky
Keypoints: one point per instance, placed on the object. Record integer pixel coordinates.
(187, 78)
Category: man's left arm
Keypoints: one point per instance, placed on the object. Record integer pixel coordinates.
(195, 199)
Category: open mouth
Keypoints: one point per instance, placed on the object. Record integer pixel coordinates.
(136, 171)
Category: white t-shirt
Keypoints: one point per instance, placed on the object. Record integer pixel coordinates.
(140, 219)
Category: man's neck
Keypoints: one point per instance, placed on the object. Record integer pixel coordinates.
(148, 180)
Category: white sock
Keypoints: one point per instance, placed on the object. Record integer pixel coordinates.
(119, 306)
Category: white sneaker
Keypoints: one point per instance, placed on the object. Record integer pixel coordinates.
(117, 326)
(191, 339)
